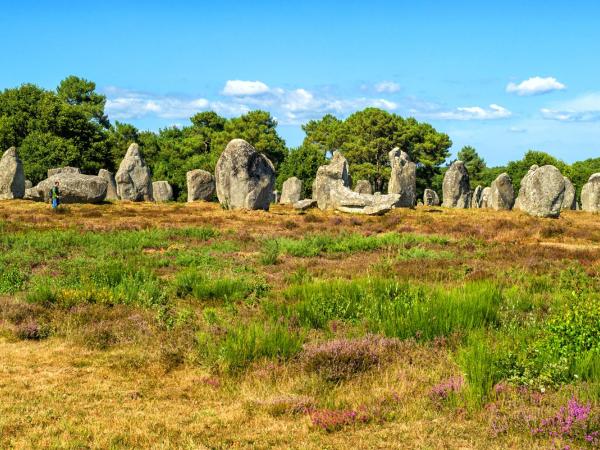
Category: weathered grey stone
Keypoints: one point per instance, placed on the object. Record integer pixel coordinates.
(476, 197)
(134, 181)
(74, 188)
(200, 185)
(332, 191)
(419, 203)
(330, 177)
(363, 187)
(33, 194)
(303, 205)
(590, 194)
(485, 197)
(542, 191)
(456, 191)
(66, 169)
(430, 198)
(502, 194)
(162, 191)
(12, 177)
(244, 177)
(569, 201)
(111, 191)
(403, 179)
(28, 184)
(291, 191)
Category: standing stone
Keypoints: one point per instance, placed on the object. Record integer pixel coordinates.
(403, 179)
(485, 197)
(291, 191)
(476, 197)
(542, 191)
(134, 181)
(331, 190)
(456, 191)
(12, 177)
(590, 194)
(502, 194)
(162, 191)
(28, 184)
(244, 177)
(74, 188)
(111, 191)
(330, 177)
(430, 198)
(200, 185)
(569, 199)
(66, 170)
(363, 187)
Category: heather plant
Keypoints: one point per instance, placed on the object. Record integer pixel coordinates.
(446, 389)
(335, 419)
(341, 359)
(573, 424)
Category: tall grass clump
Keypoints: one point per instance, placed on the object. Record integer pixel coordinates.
(395, 309)
(191, 283)
(245, 344)
(478, 362)
(319, 244)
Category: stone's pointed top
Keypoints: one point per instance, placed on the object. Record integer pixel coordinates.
(133, 151)
(400, 154)
(11, 152)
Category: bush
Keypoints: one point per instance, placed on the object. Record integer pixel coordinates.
(341, 359)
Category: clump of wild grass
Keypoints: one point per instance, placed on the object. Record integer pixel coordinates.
(288, 405)
(192, 283)
(341, 359)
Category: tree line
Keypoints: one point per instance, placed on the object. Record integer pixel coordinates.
(68, 126)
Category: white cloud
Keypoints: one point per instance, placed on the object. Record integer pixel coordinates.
(535, 86)
(241, 88)
(292, 107)
(517, 130)
(585, 108)
(125, 104)
(473, 113)
(387, 86)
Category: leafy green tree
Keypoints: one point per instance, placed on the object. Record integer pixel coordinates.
(474, 164)
(303, 163)
(366, 137)
(518, 169)
(581, 172)
(79, 92)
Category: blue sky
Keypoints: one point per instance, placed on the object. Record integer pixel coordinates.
(503, 77)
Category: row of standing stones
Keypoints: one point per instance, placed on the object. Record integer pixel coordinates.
(245, 178)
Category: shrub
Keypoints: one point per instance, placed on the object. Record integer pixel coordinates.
(341, 359)
(335, 419)
(446, 389)
(31, 330)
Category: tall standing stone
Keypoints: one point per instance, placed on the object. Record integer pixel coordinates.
(502, 194)
(291, 191)
(162, 191)
(111, 190)
(430, 198)
(590, 194)
(485, 197)
(244, 177)
(134, 181)
(542, 191)
(330, 177)
(456, 190)
(476, 197)
(12, 176)
(363, 187)
(403, 179)
(569, 201)
(200, 185)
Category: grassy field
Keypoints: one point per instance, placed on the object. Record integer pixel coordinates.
(186, 326)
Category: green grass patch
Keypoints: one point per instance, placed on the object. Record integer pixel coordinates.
(192, 283)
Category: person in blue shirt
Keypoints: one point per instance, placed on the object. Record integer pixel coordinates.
(55, 196)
